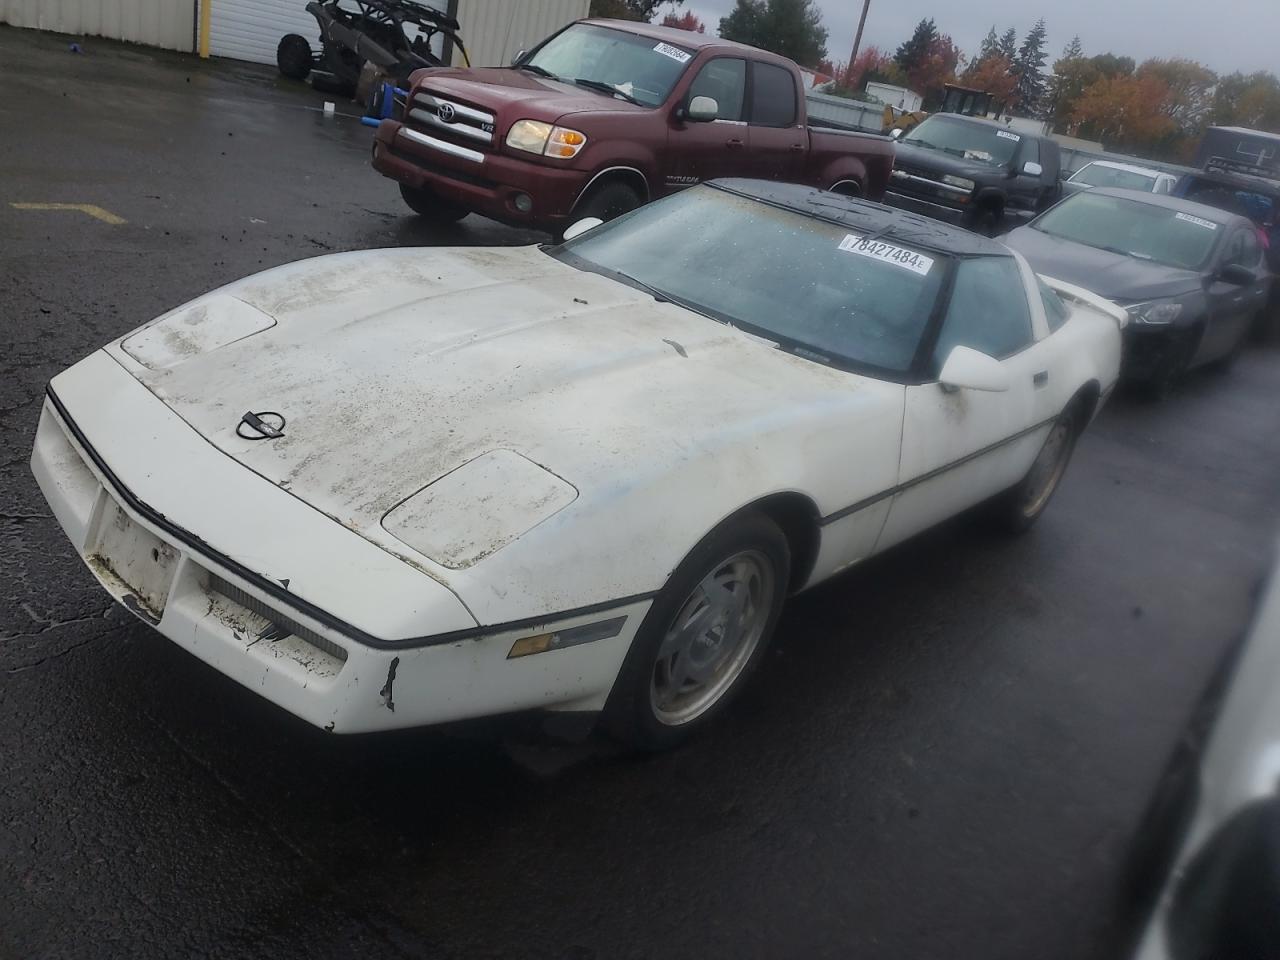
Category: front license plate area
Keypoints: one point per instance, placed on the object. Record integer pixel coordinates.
(133, 563)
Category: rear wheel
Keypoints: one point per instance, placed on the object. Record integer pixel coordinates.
(704, 634)
(293, 56)
(1017, 509)
(426, 204)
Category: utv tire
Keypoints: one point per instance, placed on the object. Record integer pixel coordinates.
(293, 56)
(706, 632)
(430, 207)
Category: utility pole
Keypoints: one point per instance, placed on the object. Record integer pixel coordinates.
(857, 40)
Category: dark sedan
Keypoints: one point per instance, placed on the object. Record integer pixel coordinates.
(1192, 277)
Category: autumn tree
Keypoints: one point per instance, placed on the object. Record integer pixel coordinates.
(1065, 86)
(934, 70)
(1125, 111)
(849, 80)
(628, 9)
(1075, 75)
(792, 28)
(1191, 86)
(1248, 100)
(684, 21)
(994, 74)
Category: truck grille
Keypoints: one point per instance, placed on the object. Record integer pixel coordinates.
(451, 120)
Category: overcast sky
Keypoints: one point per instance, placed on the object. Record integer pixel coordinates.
(1227, 35)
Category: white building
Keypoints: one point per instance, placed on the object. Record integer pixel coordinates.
(900, 98)
(493, 30)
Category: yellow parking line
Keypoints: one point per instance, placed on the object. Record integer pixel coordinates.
(106, 216)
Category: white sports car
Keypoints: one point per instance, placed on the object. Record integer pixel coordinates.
(402, 487)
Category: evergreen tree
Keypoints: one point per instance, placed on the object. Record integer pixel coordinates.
(1074, 50)
(915, 51)
(1009, 45)
(990, 47)
(1028, 67)
(792, 28)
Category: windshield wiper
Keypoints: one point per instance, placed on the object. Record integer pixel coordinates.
(663, 297)
(920, 143)
(540, 71)
(609, 88)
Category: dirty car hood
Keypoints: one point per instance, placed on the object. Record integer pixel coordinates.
(390, 368)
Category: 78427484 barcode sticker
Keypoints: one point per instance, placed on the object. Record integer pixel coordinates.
(887, 252)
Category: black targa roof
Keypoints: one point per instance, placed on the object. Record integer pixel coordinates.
(868, 218)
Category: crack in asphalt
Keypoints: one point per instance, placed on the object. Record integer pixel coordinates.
(20, 517)
(26, 667)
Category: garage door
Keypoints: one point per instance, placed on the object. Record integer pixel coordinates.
(251, 29)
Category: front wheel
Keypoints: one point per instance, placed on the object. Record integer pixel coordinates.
(704, 634)
(607, 201)
(429, 206)
(1017, 509)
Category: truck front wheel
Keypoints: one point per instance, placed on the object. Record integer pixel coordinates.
(430, 206)
(607, 201)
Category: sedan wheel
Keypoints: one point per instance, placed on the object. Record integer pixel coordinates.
(712, 638)
(704, 634)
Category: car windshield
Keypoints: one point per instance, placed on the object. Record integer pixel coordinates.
(971, 141)
(1146, 231)
(640, 68)
(824, 292)
(1096, 175)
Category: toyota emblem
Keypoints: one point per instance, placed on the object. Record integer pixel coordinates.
(446, 112)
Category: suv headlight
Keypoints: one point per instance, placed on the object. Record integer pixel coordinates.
(961, 182)
(534, 136)
(1156, 312)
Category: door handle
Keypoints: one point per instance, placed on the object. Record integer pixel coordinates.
(733, 143)
(1040, 379)
(797, 147)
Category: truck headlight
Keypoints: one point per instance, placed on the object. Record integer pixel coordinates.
(1156, 312)
(534, 136)
(961, 182)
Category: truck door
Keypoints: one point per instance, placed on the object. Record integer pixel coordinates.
(778, 141)
(706, 150)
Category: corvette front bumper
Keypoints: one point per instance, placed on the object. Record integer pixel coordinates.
(321, 644)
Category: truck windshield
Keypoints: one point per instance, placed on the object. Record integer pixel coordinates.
(1146, 231)
(971, 141)
(640, 68)
(817, 289)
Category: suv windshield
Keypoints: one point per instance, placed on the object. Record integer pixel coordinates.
(1131, 227)
(1096, 175)
(640, 68)
(972, 141)
(817, 289)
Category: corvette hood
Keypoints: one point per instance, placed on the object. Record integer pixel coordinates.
(1110, 275)
(392, 368)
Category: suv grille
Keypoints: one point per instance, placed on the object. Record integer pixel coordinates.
(455, 121)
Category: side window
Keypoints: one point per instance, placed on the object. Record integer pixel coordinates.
(1251, 249)
(773, 96)
(988, 310)
(724, 80)
(1030, 151)
(1234, 252)
(1055, 311)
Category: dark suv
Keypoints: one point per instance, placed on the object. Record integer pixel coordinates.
(974, 172)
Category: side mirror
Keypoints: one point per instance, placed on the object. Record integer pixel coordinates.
(895, 133)
(1032, 169)
(518, 57)
(580, 227)
(968, 369)
(1237, 275)
(702, 110)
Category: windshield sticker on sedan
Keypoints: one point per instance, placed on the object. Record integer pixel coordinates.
(675, 53)
(878, 250)
(1009, 136)
(1197, 221)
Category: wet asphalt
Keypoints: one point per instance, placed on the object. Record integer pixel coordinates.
(944, 755)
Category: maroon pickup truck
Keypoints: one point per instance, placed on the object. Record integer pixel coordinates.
(606, 115)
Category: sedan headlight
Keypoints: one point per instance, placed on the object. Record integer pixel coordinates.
(534, 136)
(961, 182)
(1156, 312)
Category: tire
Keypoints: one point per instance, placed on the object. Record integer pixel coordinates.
(704, 635)
(1160, 384)
(607, 201)
(293, 56)
(1018, 508)
(985, 219)
(429, 206)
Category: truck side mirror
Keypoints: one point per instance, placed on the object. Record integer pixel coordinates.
(1032, 169)
(702, 110)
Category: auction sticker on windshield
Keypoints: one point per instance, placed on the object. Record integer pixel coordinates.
(675, 53)
(1196, 220)
(1009, 136)
(879, 250)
